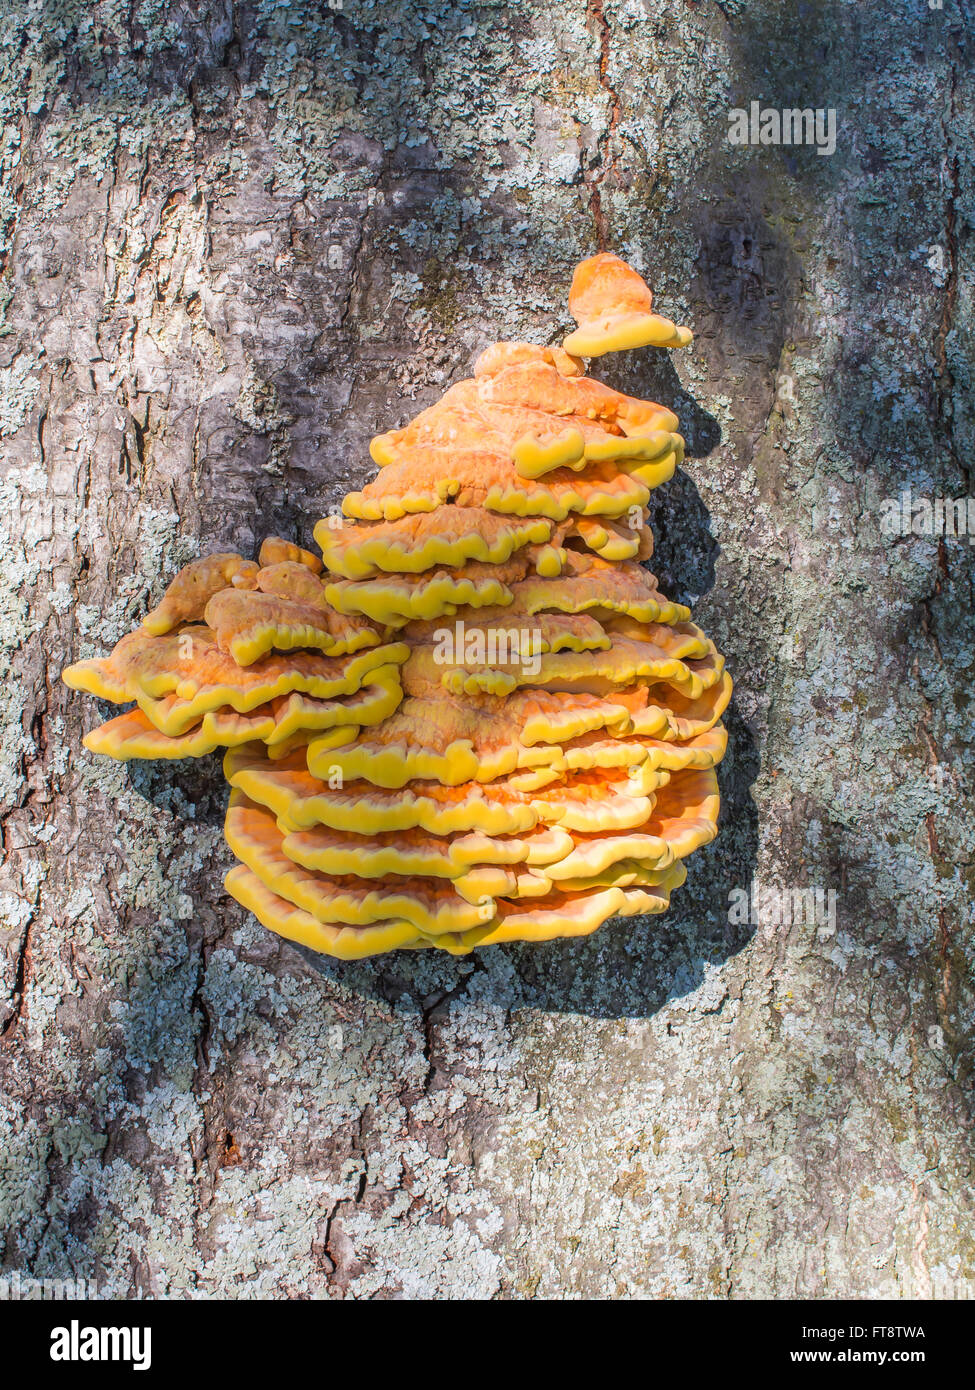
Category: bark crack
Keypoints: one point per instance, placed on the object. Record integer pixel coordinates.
(429, 1007)
(951, 180)
(21, 980)
(605, 159)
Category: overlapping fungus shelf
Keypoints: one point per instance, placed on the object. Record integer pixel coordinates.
(476, 719)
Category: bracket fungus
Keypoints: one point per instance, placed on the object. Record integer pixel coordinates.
(476, 719)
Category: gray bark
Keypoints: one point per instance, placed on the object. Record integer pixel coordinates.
(234, 248)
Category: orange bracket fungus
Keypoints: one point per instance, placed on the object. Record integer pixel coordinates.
(477, 719)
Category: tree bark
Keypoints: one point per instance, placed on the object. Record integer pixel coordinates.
(233, 249)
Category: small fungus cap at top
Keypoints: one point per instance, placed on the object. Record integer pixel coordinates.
(613, 307)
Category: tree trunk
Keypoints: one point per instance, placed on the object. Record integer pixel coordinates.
(234, 249)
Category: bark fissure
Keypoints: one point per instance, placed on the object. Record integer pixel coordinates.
(601, 165)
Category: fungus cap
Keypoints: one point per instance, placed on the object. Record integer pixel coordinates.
(188, 594)
(613, 307)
